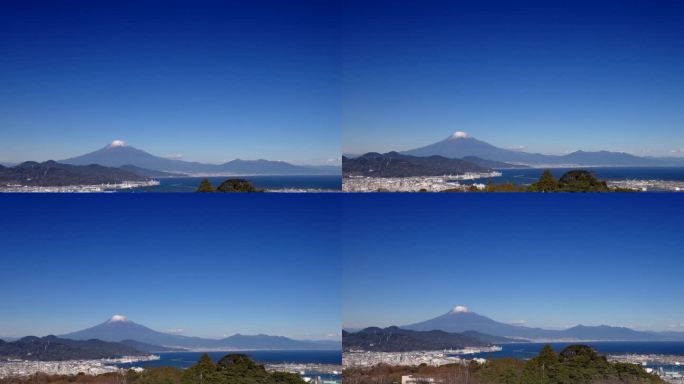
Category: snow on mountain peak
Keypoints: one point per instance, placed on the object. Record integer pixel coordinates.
(117, 143)
(460, 309)
(459, 135)
(116, 318)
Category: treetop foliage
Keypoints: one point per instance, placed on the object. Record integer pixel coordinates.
(230, 185)
(205, 186)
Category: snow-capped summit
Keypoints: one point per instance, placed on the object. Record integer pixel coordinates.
(459, 135)
(460, 309)
(116, 318)
(117, 143)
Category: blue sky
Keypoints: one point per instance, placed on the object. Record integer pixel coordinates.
(209, 81)
(542, 260)
(547, 76)
(210, 265)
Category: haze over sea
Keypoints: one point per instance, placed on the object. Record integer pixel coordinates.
(530, 350)
(288, 182)
(187, 359)
(530, 175)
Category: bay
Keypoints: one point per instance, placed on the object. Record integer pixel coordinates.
(526, 351)
(296, 183)
(528, 176)
(187, 359)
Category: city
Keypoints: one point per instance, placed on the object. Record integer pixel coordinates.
(23, 368)
(356, 359)
(413, 184)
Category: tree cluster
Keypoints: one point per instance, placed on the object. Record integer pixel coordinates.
(576, 364)
(231, 369)
(230, 185)
(235, 369)
(572, 181)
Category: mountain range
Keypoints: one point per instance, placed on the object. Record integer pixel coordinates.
(51, 173)
(118, 154)
(460, 319)
(394, 164)
(52, 348)
(119, 329)
(395, 339)
(461, 145)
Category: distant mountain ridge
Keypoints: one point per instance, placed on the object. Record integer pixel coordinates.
(118, 154)
(460, 145)
(51, 173)
(52, 348)
(492, 164)
(119, 328)
(394, 164)
(149, 348)
(460, 319)
(395, 339)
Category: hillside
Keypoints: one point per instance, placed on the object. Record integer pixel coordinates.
(395, 339)
(52, 348)
(51, 173)
(394, 164)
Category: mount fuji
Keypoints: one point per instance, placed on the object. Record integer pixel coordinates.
(119, 328)
(461, 319)
(460, 145)
(119, 153)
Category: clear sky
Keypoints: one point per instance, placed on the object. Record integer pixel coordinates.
(209, 265)
(203, 80)
(554, 260)
(547, 76)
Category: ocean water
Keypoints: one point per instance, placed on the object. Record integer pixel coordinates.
(189, 184)
(187, 359)
(529, 350)
(531, 175)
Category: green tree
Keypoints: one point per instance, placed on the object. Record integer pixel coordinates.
(285, 378)
(205, 186)
(201, 372)
(237, 185)
(504, 371)
(504, 187)
(546, 183)
(160, 375)
(240, 369)
(581, 181)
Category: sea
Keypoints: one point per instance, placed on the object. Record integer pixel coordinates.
(527, 176)
(317, 183)
(187, 359)
(529, 350)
